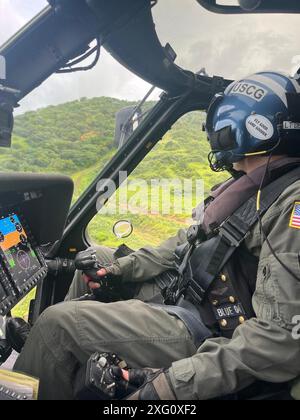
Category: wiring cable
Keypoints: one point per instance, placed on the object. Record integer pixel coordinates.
(69, 66)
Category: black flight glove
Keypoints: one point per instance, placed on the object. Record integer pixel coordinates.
(104, 281)
(107, 377)
(102, 378)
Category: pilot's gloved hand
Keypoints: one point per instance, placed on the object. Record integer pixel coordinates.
(105, 274)
(102, 378)
(17, 332)
(152, 384)
(96, 274)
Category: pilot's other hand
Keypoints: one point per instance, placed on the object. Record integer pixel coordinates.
(152, 384)
(106, 274)
(92, 285)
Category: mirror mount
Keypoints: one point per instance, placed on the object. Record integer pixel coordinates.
(252, 6)
(8, 101)
(128, 119)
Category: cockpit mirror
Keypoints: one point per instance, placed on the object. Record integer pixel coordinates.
(123, 229)
(6, 124)
(127, 120)
(8, 101)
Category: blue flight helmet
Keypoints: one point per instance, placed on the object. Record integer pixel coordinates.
(254, 116)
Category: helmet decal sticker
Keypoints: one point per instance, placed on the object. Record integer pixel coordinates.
(260, 127)
(249, 89)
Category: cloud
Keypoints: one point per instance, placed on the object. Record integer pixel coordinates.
(10, 20)
(229, 46)
(15, 13)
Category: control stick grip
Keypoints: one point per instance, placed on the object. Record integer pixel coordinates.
(61, 266)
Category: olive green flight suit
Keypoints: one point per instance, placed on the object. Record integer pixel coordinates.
(264, 348)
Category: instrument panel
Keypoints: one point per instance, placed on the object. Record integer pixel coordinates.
(21, 262)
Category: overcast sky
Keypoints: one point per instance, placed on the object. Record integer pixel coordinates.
(231, 46)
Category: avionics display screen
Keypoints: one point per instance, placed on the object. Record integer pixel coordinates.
(21, 259)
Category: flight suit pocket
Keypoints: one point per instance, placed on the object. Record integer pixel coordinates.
(265, 298)
(278, 291)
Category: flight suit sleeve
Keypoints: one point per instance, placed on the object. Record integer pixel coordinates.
(149, 262)
(266, 347)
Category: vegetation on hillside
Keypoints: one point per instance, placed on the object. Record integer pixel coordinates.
(65, 138)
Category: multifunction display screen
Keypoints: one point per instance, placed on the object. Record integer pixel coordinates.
(21, 259)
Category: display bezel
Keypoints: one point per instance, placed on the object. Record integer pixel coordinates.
(16, 291)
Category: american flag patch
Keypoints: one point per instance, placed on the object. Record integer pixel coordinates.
(295, 218)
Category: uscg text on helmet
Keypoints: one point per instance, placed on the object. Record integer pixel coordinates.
(249, 89)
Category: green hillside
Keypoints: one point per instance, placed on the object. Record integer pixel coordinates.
(76, 139)
(65, 138)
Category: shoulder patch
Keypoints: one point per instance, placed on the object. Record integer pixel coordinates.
(295, 217)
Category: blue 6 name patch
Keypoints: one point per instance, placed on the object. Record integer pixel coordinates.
(229, 311)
